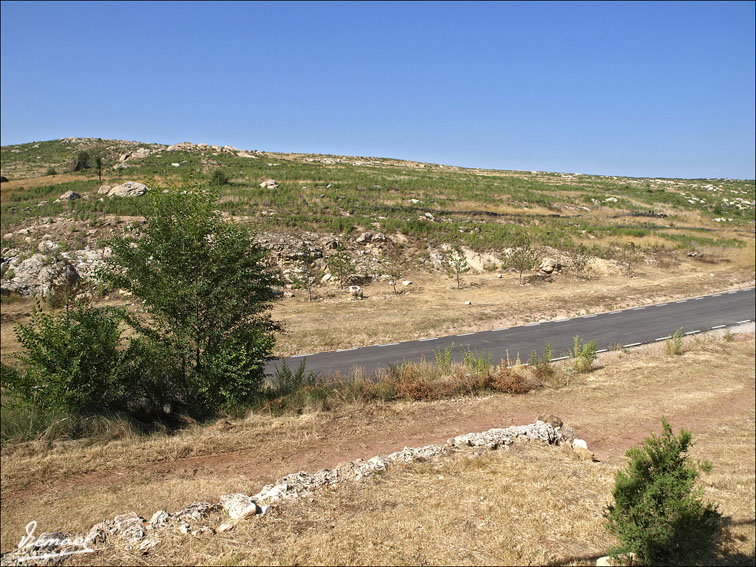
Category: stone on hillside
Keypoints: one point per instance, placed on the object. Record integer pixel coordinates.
(379, 237)
(160, 518)
(239, 506)
(47, 245)
(269, 184)
(183, 146)
(68, 196)
(125, 521)
(548, 265)
(197, 510)
(364, 237)
(104, 189)
(128, 189)
(405, 283)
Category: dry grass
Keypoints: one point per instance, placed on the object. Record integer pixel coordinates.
(539, 505)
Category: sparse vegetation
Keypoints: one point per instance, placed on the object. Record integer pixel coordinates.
(455, 264)
(673, 345)
(583, 355)
(522, 256)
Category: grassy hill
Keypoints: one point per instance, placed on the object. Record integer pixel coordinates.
(482, 209)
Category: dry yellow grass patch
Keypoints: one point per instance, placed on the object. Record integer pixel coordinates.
(415, 516)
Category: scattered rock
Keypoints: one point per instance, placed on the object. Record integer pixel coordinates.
(197, 511)
(269, 184)
(148, 544)
(468, 302)
(405, 283)
(239, 506)
(225, 527)
(68, 196)
(364, 238)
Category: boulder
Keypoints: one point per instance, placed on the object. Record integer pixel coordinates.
(239, 506)
(104, 189)
(549, 265)
(364, 237)
(127, 189)
(269, 184)
(68, 196)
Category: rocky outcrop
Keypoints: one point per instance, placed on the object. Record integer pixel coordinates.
(42, 274)
(126, 189)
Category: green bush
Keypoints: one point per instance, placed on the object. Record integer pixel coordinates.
(207, 286)
(583, 355)
(658, 513)
(218, 178)
(70, 362)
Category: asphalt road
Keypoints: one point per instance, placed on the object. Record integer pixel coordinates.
(627, 327)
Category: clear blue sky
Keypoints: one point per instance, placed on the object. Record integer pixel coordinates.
(642, 89)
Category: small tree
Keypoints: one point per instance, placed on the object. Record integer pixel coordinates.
(307, 272)
(455, 264)
(580, 259)
(522, 257)
(658, 512)
(98, 165)
(208, 287)
(81, 161)
(391, 264)
(340, 264)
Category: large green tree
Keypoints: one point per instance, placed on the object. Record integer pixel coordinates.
(208, 288)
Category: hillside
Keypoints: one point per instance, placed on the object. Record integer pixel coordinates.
(607, 242)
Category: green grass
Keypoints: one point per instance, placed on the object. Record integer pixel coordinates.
(342, 197)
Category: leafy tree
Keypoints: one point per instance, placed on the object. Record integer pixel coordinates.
(208, 288)
(522, 257)
(340, 264)
(81, 161)
(658, 512)
(307, 272)
(455, 264)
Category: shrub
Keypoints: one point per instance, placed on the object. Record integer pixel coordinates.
(583, 355)
(444, 358)
(673, 345)
(507, 380)
(51, 171)
(658, 512)
(71, 361)
(218, 178)
(542, 364)
(477, 362)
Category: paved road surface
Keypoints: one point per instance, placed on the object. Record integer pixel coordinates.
(627, 327)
